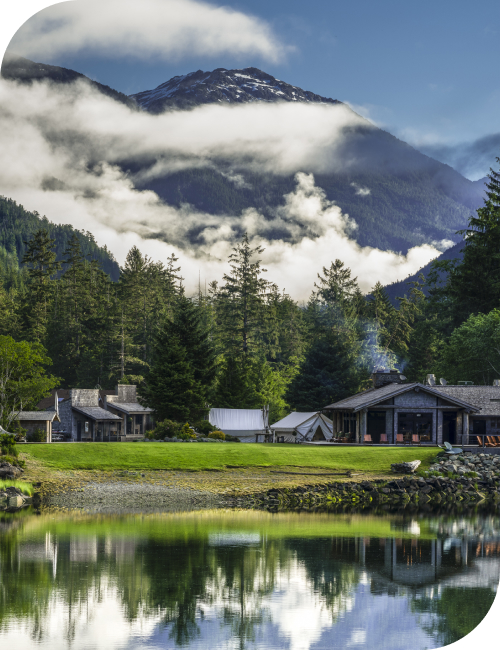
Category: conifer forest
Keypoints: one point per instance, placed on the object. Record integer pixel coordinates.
(244, 343)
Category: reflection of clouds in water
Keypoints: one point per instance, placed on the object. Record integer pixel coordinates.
(99, 622)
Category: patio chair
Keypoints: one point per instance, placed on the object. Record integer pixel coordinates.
(415, 439)
(399, 438)
(383, 438)
(367, 438)
(479, 441)
(490, 442)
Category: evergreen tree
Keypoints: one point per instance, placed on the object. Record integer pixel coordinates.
(473, 284)
(42, 267)
(190, 328)
(171, 389)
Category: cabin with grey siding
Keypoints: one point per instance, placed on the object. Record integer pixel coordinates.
(394, 411)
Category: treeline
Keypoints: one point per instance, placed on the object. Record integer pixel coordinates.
(17, 227)
(244, 343)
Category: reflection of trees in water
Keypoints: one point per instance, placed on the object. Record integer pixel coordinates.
(456, 612)
(179, 580)
(186, 578)
(332, 576)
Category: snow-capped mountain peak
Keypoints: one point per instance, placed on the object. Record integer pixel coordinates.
(223, 86)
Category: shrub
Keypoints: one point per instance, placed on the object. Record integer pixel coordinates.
(150, 435)
(204, 427)
(167, 429)
(187, 433)
(232, 438)
(37, 435)
(8, 444)
(217, 435)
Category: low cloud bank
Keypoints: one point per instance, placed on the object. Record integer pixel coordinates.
(60, 153)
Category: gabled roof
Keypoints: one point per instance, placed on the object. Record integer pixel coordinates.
(375, 396)
(484, 398)
(131, 407)
(293, 420)
(42, 416)
(96, 413)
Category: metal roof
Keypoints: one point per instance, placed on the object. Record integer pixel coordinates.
(131, 407)
(42, 416)
(374, 396)
(96, 413)
(293, 420)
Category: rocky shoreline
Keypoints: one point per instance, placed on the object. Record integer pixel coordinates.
(465, 478)
(12, 498)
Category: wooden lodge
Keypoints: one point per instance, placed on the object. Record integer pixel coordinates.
(394, 411)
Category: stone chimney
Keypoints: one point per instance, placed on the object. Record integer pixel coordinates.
(381, 377)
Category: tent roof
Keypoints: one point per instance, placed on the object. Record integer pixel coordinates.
(237, 419)
(293, 420)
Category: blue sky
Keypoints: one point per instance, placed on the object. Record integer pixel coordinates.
(425, 71)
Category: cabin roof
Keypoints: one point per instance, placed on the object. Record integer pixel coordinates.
(374, 396)
(485, 398)
(96, 413)
(131, 407)
(41, 416)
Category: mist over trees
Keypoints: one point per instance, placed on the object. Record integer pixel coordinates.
(245, 343)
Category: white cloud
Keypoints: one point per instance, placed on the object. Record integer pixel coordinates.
(163, 29)
(361, 191)
(59, 154)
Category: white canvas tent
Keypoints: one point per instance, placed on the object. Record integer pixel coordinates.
(302, 427)
(249, 425)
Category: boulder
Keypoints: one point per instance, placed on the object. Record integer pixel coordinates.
(405, 468)
(8, 471)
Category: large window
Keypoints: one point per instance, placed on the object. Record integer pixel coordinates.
(375, 425)
(415, 426)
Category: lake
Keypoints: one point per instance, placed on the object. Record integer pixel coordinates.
(240, 579)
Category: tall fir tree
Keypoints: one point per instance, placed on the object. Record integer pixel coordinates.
(40, 259)
(472, 285)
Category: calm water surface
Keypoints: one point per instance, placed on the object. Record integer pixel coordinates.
(240, 579)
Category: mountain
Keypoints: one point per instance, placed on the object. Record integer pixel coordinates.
(221, 85)
(399, 289)
(17, 68)
(398, 196)
(17, 225)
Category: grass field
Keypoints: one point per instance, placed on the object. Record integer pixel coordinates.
(26, 488)
(199, 457)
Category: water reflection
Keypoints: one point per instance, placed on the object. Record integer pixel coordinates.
(231, 579)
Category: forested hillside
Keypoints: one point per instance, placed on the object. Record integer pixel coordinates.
(17, 226)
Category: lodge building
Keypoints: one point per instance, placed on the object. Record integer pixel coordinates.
(394, 411)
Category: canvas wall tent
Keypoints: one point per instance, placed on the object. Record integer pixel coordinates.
(301, 427)
(249, 425)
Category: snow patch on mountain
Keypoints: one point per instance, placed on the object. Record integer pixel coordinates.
(221, 85)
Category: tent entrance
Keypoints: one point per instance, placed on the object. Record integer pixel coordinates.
(318, 435)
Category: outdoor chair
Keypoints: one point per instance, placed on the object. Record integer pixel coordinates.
(479, 441)
(490, 442)
(399, 438)
(367, 438)
(415, 439)
(383, 438)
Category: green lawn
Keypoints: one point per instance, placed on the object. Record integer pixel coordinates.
(185, 456)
